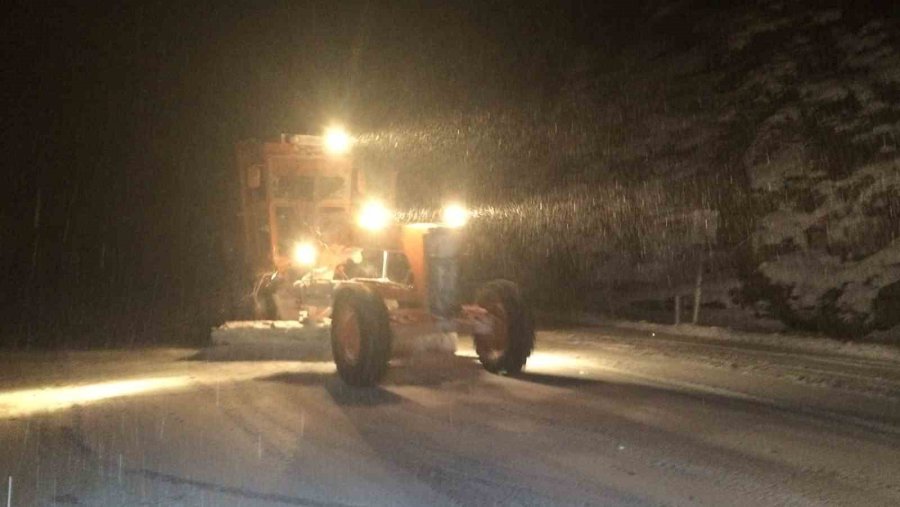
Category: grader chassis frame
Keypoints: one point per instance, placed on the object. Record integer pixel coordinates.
(297, 182)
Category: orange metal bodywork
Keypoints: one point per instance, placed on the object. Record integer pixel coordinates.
(281, 182)
(411, 240)
(410, 307)
(413, 244)
(284, 180)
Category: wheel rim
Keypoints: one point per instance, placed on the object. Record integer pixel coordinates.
(348, 335)
(495, 344)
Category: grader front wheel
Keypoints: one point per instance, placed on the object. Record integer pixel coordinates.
(360, 335)
(507, 348)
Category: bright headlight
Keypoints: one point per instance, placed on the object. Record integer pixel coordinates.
(337, 141)
(374, 216)
(455, 215)
(305, 254)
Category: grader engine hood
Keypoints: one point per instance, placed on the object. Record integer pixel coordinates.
(432, 252)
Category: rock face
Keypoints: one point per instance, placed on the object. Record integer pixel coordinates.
(807, 103)
(822, 161)
(833, 262)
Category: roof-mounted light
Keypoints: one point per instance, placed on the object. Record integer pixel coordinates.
(337, 141)
(374, 216)
(455, 215)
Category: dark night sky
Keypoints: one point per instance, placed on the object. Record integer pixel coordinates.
(120, 119)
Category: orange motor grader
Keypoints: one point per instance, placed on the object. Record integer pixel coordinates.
(324, 250)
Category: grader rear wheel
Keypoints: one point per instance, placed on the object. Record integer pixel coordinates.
(506, 349)
(360, 335)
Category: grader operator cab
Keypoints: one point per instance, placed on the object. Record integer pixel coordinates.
(325, 250)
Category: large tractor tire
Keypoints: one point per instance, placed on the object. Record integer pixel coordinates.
(507, 349)
(264, 307)
(264, 299)
(360, 335)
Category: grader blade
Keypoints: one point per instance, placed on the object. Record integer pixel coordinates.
(274, 340)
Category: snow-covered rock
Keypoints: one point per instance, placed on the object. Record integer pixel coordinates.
(823, 164)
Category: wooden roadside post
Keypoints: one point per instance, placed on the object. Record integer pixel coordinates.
(677, 309)
(698, 291)
(697, 229)
(704, 226)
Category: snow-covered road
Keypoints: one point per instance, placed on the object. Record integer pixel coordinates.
(602, 416)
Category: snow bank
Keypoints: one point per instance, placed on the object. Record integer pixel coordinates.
(795, 342)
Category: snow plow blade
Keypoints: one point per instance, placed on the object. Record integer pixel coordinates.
(269, 340)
